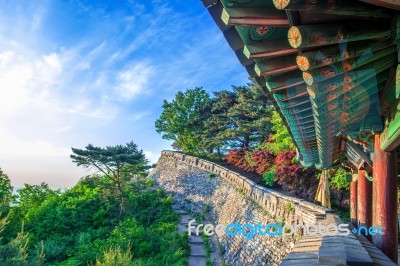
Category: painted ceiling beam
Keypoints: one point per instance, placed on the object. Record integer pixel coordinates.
(392, 4)
(295, 112)
(276, 65)
(268, 49)
(302, 94)
(289, 80)
(336, 7)
(329, 71)
(337, 53)
(321, 96)
(364, 90)
(359, 152)
(327, 34)
(254, 17)
(371, 69)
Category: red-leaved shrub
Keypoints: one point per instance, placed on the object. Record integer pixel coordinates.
(263, 161)
(238, 159)
(293, 177)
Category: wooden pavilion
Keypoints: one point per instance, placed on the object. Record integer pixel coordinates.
(331, 68)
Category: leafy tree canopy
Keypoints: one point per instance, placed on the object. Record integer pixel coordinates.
(5, 189)
(281, 140)
(182, 119)
(118, 163)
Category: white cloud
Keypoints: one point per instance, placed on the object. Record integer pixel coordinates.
(151, 156)
(133, 80)
(42, 114)
(138, 116)
(26, 81)
(16, 147)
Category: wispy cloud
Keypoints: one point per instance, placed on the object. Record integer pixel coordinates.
(133, 80)
(79, 72)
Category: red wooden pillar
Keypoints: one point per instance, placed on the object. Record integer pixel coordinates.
(385, 200)
(364, 200)
(353, 202)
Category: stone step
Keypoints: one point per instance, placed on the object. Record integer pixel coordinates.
(299, 262)
(177, 207)
(197, 261)
(306, 249)
(216, 260)
(181, 211)
(197, 250)
(185, 219)
(302, 256)
(196, 239)
(182, 229)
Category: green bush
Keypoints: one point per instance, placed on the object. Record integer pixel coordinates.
(115, 256)
(81, 227)
(269, 176)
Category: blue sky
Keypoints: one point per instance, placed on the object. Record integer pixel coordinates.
(79, 72)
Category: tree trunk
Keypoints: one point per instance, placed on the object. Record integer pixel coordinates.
(219, 153)
(246, 142)
(341, 199)
(123, 201)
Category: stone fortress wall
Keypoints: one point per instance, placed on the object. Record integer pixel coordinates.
(231, 197)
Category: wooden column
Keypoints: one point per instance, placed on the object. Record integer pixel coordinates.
(385, 199)
(364, 200)
(353, 202)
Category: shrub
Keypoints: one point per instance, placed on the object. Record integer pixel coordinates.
(115, 256)
(54, 250)
(302, 182)
(238, 159)
(263, 161)
(269, 176)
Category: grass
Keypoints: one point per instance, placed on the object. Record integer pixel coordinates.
(207, 247)
(289, 207)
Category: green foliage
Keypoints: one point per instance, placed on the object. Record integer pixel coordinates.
(249, 116)
(5, 191)
(79, 227)
(344, 213)
(269, 176)
(205, 126)
(338, 179)
(15, 251)
(115, 256)
(280, 141)
(241, 191)
(338, 183)
(289, 207)
(32, 196)
(249, 160)
(212, 175)
(118, 163)
(182, 119)
(207, 247)
(54, 250)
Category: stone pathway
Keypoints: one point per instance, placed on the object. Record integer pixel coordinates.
(329, 250)
(198, 254)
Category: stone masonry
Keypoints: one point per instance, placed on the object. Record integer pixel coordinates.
(230, 198)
